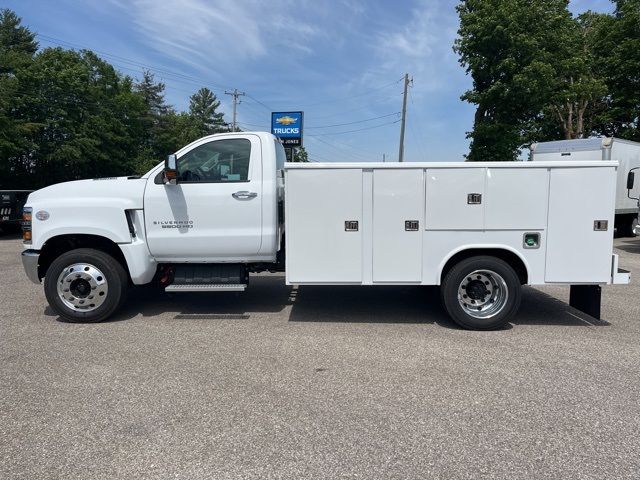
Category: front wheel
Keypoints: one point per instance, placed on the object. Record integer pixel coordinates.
(85, 285)
(481, 293)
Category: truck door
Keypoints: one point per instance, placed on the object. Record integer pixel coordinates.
(214, 212)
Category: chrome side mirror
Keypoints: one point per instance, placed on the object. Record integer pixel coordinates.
(170, 170)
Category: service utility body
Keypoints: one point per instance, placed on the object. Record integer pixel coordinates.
(227, 205)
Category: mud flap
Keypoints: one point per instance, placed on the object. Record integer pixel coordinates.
(586, 298)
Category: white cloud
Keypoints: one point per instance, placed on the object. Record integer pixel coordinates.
(203, 33)
(423, 47)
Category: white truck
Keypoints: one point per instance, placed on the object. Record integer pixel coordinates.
(227, 205)
(625, 152)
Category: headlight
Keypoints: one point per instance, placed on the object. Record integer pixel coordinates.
(26, 225)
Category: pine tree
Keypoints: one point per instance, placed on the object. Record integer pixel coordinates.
(152, 94)
(155, 122)
(17, 43)
(203, 107)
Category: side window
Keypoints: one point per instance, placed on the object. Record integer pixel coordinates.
(218, 161)
(281, 156)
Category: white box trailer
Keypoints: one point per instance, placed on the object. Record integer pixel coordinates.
(227, 206)
(625, 152)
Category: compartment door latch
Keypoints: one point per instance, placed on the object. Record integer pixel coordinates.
(474, 198)
(600, 225)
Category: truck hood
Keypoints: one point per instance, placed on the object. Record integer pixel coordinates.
(127, 192)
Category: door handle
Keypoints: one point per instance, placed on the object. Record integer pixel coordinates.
(243, 195)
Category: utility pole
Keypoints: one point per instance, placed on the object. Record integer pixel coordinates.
(404, 117)
(384, 157)
(236, 95)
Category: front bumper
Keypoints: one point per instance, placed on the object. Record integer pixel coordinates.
(30, 263)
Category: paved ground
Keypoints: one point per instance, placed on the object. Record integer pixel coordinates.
(318, 383)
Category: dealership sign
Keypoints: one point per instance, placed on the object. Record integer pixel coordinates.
(287, 126)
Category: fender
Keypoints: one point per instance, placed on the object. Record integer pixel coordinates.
(482, 246)
(115, 237)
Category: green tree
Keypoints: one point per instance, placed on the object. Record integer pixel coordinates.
(203, 106)
(617, 47)
(17, 43)
(82, 119)
(511, 49)
(17, 47)
(577, 87)
(152, 93)
(155, 141)
(68, 115)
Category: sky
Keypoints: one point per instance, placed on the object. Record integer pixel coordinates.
(339, 61)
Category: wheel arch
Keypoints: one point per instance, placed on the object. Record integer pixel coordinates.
(56, 246)
(508, 254)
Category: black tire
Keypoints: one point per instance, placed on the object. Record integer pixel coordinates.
(453, 282)
(115, 277)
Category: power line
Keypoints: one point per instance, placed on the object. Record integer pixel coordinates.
(378, 101)
(352, 131)
(352, 123)
(355, 156)
(260, 103)
(369, 92)
(57, 41)
(356, 151)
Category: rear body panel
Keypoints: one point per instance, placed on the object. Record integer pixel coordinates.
(413, 217)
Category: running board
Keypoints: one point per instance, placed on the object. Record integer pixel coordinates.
(207, 287)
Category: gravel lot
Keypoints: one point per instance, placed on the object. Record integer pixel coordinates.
(318, 382)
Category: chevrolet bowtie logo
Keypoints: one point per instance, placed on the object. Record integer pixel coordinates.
(286, 120)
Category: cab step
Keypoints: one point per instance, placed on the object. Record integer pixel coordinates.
(207, 287)
(209, 278)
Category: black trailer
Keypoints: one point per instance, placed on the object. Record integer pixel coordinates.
(11, 205)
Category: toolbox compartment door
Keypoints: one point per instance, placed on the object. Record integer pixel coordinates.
(455, 198)
(577, 250)
(398, 223)
(321, 246)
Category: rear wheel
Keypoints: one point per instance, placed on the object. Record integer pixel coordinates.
(481, 293)
(85, 285)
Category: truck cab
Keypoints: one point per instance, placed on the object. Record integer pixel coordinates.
(224, 202)
(203, 229)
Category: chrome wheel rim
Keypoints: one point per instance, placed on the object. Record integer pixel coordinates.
(483, 294)
(82, 287)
